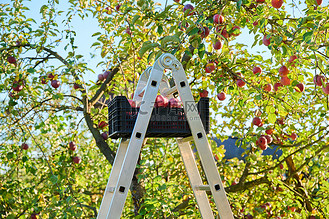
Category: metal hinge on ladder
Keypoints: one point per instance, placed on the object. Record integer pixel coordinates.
(151, 81)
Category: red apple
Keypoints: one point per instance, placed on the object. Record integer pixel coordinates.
(218, 45)
(25, 146)
(277, 85)
(50, 76)
(101, 77)
(283, 71)
(262, 142)
(175, 103)
(11, 59)
(266, 41)
(132, 103)
(105, 136)
(72, 145)
(257, 70)
(55, 83)
(204, 93)
(117, 8)
(281, 166)
(236, 31)
(269, 131)
(268, 87)
(34, 216)
(240, 83)
(257, 121)
(269, 139)
(204, 32)
(128, 31)
(260, 1)
(108, 10)
(102, 124)
(300, 87)
(43, 80)
(176, 1)
(281, 121)
(285, 81)
(325, 88)
(221, 96)
(76, 86)
(292, 58)
(210, 67)
(106, 74)
(319, 2)
(218, 19)
(161, 101)
(277, 3)
(17, 86)
(293, 136)
(76, 160)
(190, 8)
(255, 23)
(318, 79)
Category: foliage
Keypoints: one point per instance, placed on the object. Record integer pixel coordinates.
(36, 50)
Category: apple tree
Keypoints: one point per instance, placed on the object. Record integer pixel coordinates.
(272, 93)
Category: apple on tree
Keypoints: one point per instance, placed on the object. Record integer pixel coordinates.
(17, 86)
(189, 8)
(285, 81)
(277, 85)
(240, 82)
(204, 32)
(210, 67)
(101, 77)
(218, 19)
(204, 93)
(325, 88)
(218, 45)
(55, 83)
(319, 79)
(76, 86)
(277, 3)
(105, 135)
(257, 121)
(221, 96)
(25, 146)
(76, 160)
(257, 70)
(11, 59)
(117, 7)
(106, 74)
(236, 31)
(268, 87)
(72, 146)
(283, 71)
(300, 87)
(266, 41)
(293, 136)
(269, 131)
(102, 124)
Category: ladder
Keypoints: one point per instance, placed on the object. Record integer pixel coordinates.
(151, 81)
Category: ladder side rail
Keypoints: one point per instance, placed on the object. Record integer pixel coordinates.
(199, 135)
(135, 144)
(115, 171)
(195, 179)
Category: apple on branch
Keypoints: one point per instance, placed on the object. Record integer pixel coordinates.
(72, 146)
(189, 8)
(221, 96)
(218, 19)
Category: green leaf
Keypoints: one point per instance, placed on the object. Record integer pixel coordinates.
(147, 46)
(307, 37)
(193, 31)
(136, 17)
(96, 34)
(160, 29)
(271, 118)
(53, 179)
(169, 39)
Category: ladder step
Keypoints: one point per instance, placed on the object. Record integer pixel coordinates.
(202, 187)
(188, 139)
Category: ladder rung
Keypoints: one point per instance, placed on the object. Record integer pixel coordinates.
(188, 139)
(203, 187)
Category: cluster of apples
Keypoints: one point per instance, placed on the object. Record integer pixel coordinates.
(161, 101)
(263, 141)
(73, 147)
(219, 23)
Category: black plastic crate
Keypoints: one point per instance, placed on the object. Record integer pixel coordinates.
(165, 122)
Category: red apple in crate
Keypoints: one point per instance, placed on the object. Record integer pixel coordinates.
(25, 146)
(72, 146)
(221, 96)
(132, 103)
(318, 79)
(204, 93)
(76, 160)
(161, 101)
(175, 103)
